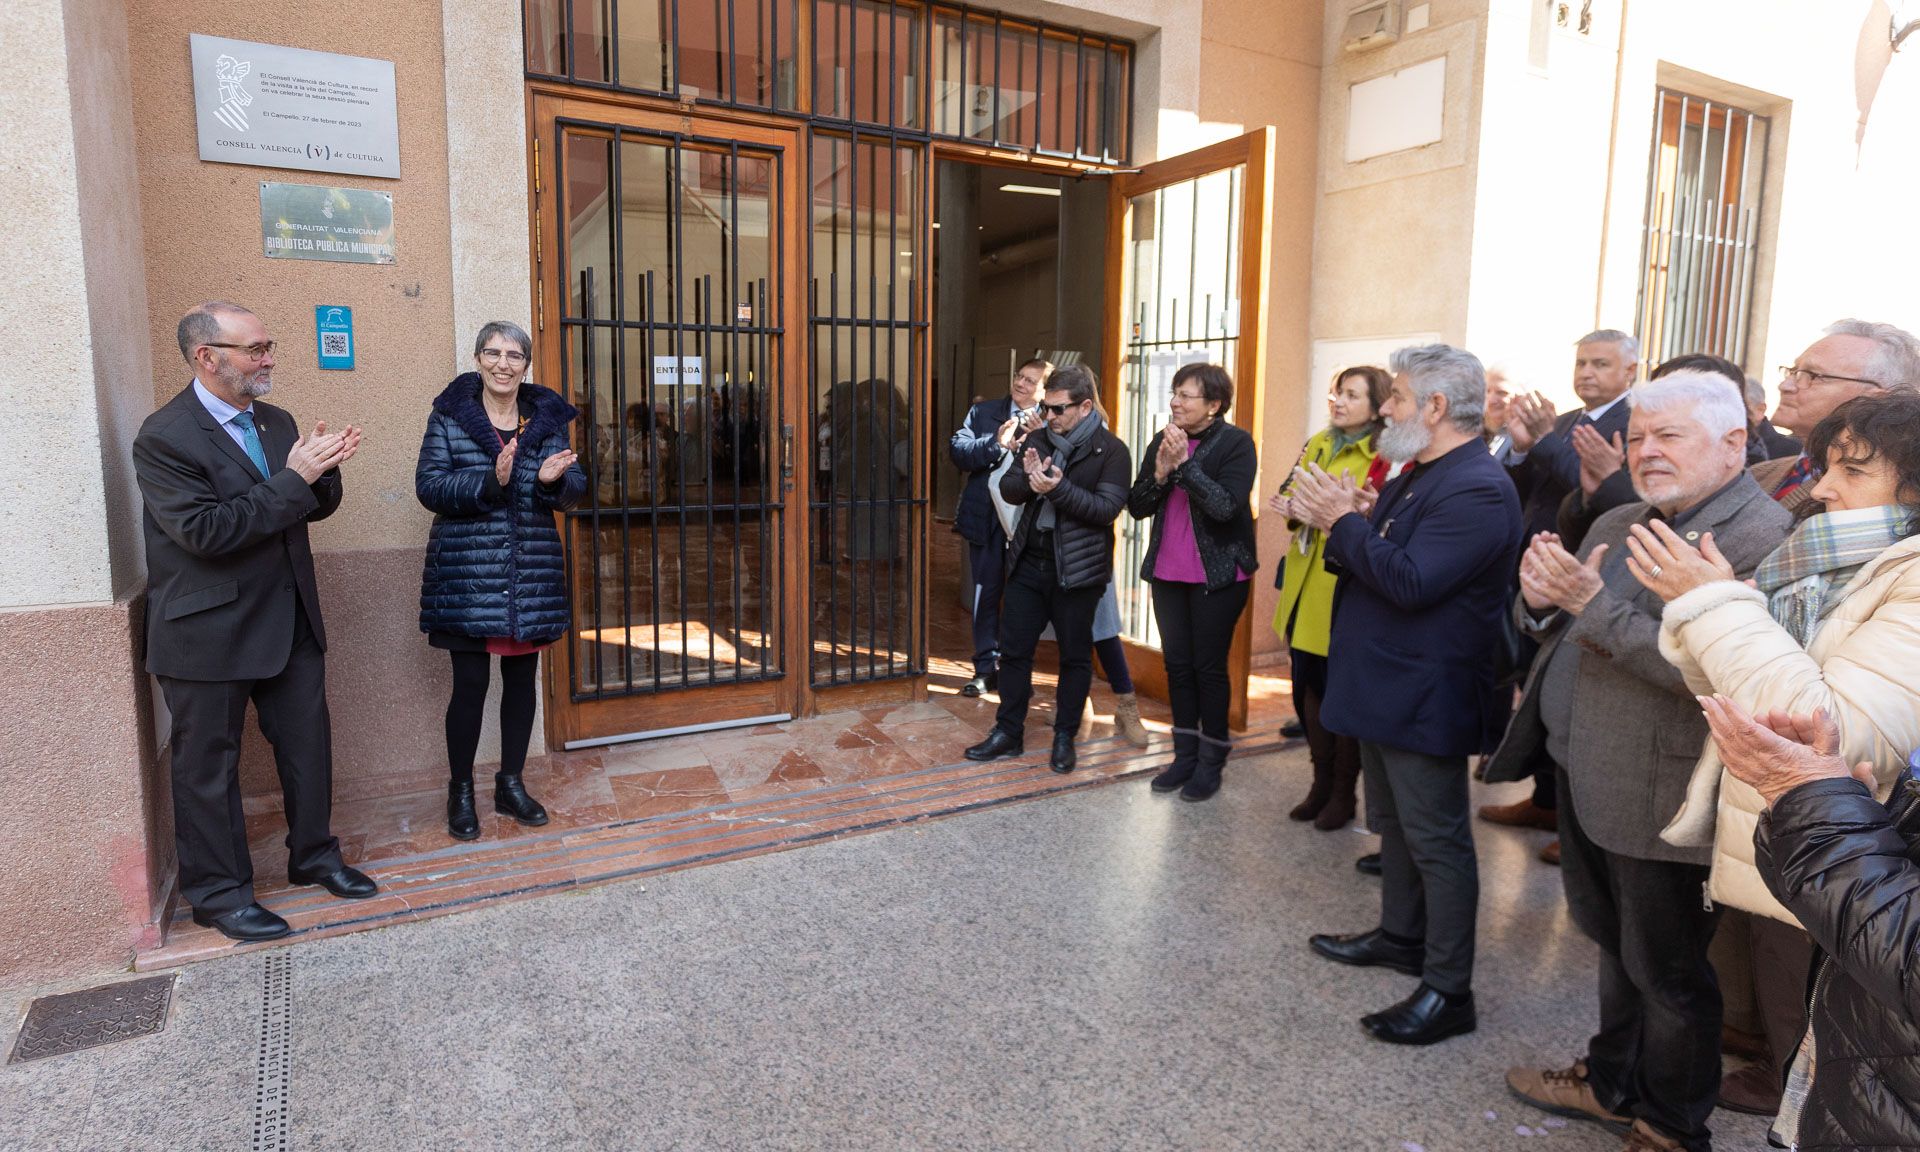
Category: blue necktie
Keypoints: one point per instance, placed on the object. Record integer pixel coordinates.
(250, 439)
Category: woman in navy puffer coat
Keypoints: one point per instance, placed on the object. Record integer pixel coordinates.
(495, 465)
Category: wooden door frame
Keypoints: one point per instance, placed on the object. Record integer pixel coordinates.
(547, 104)
(1254, 150)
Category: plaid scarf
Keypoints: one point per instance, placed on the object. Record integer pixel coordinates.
(1824, 553)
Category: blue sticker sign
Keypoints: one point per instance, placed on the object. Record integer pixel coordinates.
(333, 330)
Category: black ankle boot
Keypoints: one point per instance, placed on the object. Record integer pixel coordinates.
(1206, 773)
(1186, 754)
(462, 822)
(510, 799)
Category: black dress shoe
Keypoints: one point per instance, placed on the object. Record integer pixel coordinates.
(463, 823)
(981, 685)
(1426, 1017)
(1368, 864)
(1293, 729)
(344, 882)
(249, 925)
(1372, 950)
(1063, 759)
(510, 799)
(996, 745)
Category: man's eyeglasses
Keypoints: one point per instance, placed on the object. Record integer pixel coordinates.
(513, 358)
(1806, 376)
(257, 351)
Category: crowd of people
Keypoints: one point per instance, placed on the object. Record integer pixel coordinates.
(1470, 576)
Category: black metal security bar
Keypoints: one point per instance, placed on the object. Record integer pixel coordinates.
(678, 550)
(869, 506)
(948, 71)
(1700, 240)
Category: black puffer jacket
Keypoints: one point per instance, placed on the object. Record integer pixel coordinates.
(1218, 480)
(1849, 869)
(1085, 505)
(495, 566)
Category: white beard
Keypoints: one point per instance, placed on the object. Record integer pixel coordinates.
(1400, 442)
(255, 388)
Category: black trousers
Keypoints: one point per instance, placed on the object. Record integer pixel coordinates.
(1196, 632)
(989, 564)
(1657, 1054)
(209, 825)
(1328, 750)
(1429, 875)
(466, 710)
(1033, 600)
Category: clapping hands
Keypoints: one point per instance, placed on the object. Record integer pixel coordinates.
(1530, 416)
(1599, 457)
(319, 452)
(1319, 498)
(1552, 577)
(1172, 452)
(1043, 476)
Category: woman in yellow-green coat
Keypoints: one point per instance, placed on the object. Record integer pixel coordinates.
(1305, 613)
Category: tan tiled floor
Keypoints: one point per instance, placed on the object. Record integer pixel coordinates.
(632, 809)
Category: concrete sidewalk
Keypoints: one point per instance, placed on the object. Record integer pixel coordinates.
(1105, 969)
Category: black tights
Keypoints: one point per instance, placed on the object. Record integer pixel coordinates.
(465, 710)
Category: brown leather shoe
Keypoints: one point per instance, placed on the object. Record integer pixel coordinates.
(1551, 853)
(1644, 1138)
(1522, 814)
(1754, 1089)
(1744, 1044)
(1565, 1092)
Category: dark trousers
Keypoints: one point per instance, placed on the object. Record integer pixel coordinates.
(209, 826)
(1113, 663)
(1196, 632)
(1033, 600)
(1544, 771)
(1782, 963)
(1328, 750)
(466, 710)
(1657, 1054)
(1429, 876)
(989, 564)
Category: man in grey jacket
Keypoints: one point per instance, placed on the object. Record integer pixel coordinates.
(1623, 733)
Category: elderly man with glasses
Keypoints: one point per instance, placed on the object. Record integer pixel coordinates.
(228, 486)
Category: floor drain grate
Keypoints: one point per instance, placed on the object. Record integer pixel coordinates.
(71, 1021)
(274, 1075)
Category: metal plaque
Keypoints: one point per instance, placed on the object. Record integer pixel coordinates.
(72, 1021)
(308, 222)
(284, 107)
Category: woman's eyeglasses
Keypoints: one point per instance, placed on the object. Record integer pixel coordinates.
(492, 355)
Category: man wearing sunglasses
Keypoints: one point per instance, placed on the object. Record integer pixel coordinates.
(228, 486)
(1071, 476)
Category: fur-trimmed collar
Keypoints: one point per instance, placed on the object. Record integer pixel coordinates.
(460, 402)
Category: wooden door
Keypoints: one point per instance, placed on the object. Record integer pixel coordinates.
(1187, 259)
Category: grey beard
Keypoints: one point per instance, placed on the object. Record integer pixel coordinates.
(255, 388)
(1399, 442)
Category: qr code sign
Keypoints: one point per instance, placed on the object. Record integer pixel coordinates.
(335, 344)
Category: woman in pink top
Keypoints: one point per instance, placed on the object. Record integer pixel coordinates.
(1195, 482)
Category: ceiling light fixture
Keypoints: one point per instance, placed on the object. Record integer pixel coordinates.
(1030, 190)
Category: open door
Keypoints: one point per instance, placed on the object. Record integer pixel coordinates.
(1187, 259)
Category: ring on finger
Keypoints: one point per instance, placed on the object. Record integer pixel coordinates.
(1654, 571)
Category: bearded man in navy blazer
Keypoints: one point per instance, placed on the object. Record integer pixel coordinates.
(1424, 582)
(228, 486)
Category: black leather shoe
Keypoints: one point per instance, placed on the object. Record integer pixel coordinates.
(981, 685)
(463, 823)
(1372, 950)
(1368, 864)
(344, 882)
(1293, 730)
(1062, 760)
(996, 745)
(1422, 1018)
(510, 799)
(249, 925)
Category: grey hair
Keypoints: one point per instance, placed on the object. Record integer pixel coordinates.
(1718, 408)
(1756, 391)
(1897, 364)
(201, 325)
(1629, 347)
(1454, 373)
(505, 328)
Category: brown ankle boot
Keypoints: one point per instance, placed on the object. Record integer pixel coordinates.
(1342, 798)
(1126, 719)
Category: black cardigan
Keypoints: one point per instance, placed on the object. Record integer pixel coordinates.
(1218, 480)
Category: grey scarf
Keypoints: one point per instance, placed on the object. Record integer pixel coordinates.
(1067, 449)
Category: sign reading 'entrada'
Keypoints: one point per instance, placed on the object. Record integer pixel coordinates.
(280, 107)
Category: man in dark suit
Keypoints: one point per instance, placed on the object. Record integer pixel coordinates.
(977, 448)
(233, 614)
(1544, 463)
(1425, 581)
(1654, 1064)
